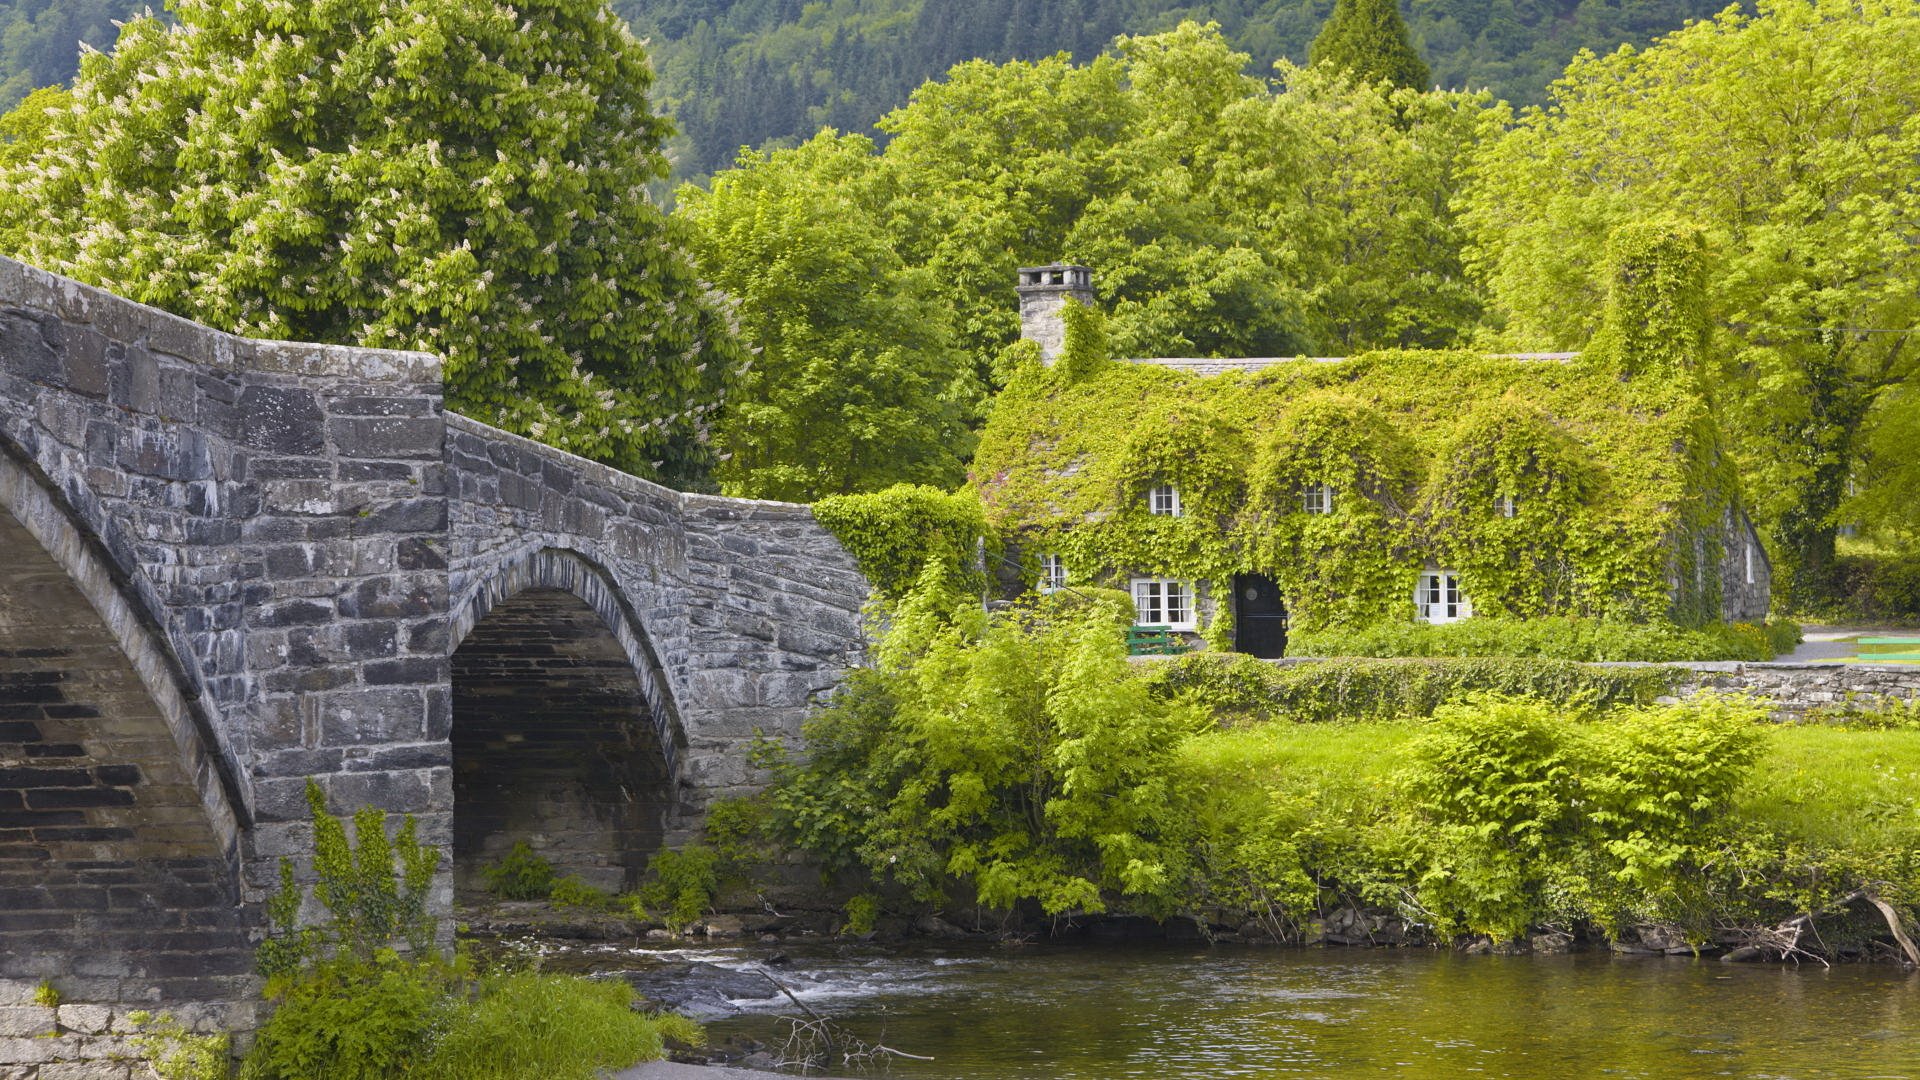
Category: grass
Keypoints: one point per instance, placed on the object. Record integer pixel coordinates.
(555, 1027)
(1834, 787)
(1838, 787)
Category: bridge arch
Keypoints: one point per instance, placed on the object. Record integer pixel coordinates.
(564, 730)
(120, 819)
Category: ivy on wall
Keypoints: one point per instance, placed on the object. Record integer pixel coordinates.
(1617, 487)
(893, 534)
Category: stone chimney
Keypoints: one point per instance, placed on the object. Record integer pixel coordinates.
(1044, 291)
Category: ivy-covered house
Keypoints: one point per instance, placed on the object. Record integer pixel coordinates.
(1236, 498)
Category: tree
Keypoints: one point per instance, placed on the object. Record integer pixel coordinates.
(1790, 136)
(460, 176)
(1369, 41)
(859, 383)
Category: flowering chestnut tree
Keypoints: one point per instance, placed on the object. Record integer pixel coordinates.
(466, 177)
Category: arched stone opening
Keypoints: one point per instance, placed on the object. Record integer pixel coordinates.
(556, 735)
(117, 881)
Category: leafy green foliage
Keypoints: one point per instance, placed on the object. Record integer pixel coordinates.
(45, 994)
(862, 910)
(681, 884)
(520, 875)
(370, 907)
(1785, 134)
(859, 383)
(528, 1023)
(571, 892)
(1368, 40)
(353, 1019)
(1240, 689)
(1015, 755)
(744, 74)
(350, 1006)
(1020, 755)
(463, 178)
(1557, 637)
(895, 534)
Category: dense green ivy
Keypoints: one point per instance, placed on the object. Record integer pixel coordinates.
(1594, 487)
(894, 534)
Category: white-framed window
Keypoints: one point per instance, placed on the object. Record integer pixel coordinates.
(1438, 598)
(1053, 573)
(1164, 499)
(1163, 602)
(1505, 506)
(1317, 499)
(1749, 546)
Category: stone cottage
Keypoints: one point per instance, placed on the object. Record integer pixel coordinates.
(1235, 498)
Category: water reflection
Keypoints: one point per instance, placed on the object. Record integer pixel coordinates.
(1178, 1012)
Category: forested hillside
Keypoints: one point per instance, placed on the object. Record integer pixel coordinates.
(40, 40)
(740, 72)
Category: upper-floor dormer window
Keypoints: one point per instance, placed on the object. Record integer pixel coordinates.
(1053, 573)
(1164, 499)
(1505, 506)
(1317, 499)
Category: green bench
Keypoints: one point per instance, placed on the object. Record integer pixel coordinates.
(1154, 641)
(1889, 650)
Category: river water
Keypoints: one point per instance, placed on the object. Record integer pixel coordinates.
(1171, 1011)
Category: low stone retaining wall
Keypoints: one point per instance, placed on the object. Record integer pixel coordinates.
(1796, 689)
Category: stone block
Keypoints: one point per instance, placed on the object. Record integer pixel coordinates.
(85, 1019)
(283, 420)
(26, 1021)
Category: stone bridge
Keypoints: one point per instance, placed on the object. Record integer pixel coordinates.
(229, 567)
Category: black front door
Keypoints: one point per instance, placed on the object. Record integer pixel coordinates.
(1259, 617)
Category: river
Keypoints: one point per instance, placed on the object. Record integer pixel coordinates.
(1171, 1011)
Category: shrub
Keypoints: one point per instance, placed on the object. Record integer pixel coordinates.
(520, 875)
(1876, 588)
(571, 892)
(681, 885)
(893, 533)
(350, 1006)
(1241, 687)
(349, 1019)
(1555, 637)
(1016, 753)
(862, 911)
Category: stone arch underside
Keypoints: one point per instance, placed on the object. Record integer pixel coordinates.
(117, 846)
(563, 733)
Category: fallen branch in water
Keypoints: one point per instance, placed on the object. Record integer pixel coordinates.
(813, 1042)
(1784, 939)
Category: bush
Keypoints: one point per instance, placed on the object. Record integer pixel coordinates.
(1876, 588)
(521, 875)
(1239, 687)
(1554, 637)
(349, 1019)
(681, 885)
(1018, 754)
(571, 892)
(351, 1006)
